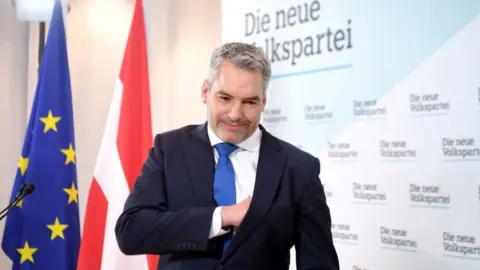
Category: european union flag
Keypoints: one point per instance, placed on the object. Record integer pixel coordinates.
(43, 230)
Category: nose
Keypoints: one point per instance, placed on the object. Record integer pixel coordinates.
(236, 112)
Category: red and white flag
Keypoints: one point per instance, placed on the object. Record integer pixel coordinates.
(126, 140)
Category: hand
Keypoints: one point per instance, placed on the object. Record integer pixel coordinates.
(233, 215)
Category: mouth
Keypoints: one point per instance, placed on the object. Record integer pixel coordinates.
(234, 126)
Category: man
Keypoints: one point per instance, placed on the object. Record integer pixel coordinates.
(227, 194)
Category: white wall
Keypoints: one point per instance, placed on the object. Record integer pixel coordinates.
(182, 34)
(178, 68)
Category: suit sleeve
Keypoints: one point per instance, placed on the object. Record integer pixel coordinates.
(314, 243)
(146, 226)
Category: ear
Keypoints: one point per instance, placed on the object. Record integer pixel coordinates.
(204, 91)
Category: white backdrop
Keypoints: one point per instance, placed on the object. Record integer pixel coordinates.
(387, 95)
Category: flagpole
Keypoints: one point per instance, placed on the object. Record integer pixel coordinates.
(41, 43)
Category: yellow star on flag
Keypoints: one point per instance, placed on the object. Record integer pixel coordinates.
(23, 165)
(27, 253)
(50, 122)
(72, 193)
(70, 153)
(57, 229)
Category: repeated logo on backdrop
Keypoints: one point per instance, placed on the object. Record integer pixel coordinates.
(381, 93)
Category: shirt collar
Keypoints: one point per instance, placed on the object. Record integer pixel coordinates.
(251, 143)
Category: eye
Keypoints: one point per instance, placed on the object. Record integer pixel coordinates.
(251, 102)
(224, 98)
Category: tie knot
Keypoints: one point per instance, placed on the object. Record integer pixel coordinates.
(225, 149)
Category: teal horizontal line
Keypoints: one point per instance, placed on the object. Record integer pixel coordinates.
(429, 114)
(345, 243)
(430, 206)
(311, 71)
(367, 202)
(397, 160)
(399, 249)
(370, 118)
(342, 160)
(461, 257)
(462, 160)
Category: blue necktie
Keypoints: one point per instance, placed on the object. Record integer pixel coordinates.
(224, 180)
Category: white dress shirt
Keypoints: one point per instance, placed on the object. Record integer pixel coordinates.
(244, 160)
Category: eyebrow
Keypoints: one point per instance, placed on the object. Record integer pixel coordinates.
(223, 93)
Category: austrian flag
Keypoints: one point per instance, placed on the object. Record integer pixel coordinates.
(126, 140)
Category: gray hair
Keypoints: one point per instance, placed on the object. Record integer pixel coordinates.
(243, 56)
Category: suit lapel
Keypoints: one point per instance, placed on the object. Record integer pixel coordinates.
(269, 172)
(200, 165)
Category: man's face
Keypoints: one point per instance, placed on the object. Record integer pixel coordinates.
(234, 103)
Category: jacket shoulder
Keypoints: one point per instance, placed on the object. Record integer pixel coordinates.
(173, 136)
(302, 167)
(296, 154)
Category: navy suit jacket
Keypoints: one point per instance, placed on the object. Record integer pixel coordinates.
(169, 211)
